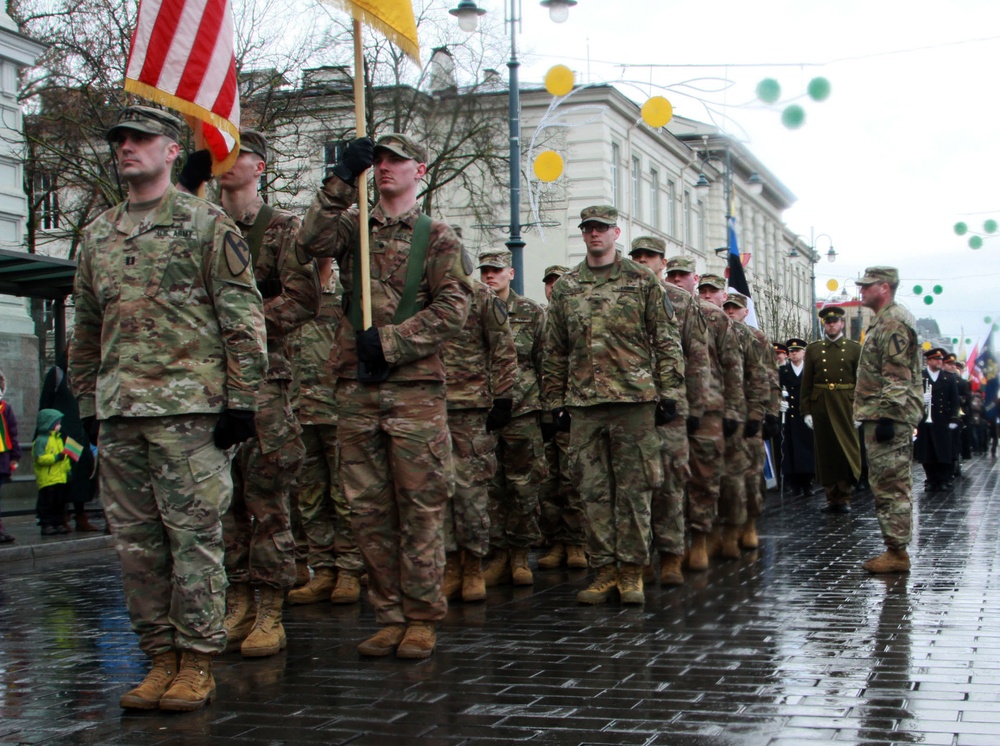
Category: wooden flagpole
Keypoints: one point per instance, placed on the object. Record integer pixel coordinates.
(359, 114)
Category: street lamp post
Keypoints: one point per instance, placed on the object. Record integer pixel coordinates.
(831, 256)
(468, 14)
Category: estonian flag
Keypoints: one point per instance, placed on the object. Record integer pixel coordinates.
(737, 277)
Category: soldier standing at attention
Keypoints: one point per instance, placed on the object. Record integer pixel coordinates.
(828, 379)
(521, 467)
(167, 355)
(935, 445)
(887, 402)
(613, 370)
(798, 460)
(395, 448)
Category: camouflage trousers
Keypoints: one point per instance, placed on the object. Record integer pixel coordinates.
(164, 486)
(396, 469)
(616, 465)
(667, 507)
(257, 527)
(467, 519)
(707, 449)
(561, 517)
(516, 487)
(733, 488)
(326, 517)
(755, 477)
(891, 483)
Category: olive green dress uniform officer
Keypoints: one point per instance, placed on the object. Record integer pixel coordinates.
(394, 443)
(888, 403)
(167, 353)
(481, 368)
(613, 367)
(829, 376)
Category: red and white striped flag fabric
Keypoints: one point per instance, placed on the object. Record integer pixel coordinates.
(182, 56)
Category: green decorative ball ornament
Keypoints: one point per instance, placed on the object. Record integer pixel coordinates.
(918, 289)
(938, 290)
(928, 299)
(990, 226)
(968, 341)
(954, 340)
(975, 242)
(768, 90)
(819, 89)
(961, 229)
(988, 320)
(996, 327)
(793, 117)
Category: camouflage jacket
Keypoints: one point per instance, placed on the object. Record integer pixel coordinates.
(480, 361)
(694, 341)
(411, 348)
(611, 340)
(725, 385)
(830, 367)
(298, 298)
(527, 324)
(889, 377)
(168, 318)
(314, 348)
(756, 385)
(770, 361)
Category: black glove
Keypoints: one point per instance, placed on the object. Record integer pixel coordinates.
(561, 419)
(751, 428)
(92, 427)
(196, 171)
(693, 423)
(358, 156)
(234, 426)
(729, 427)
(666, 411)
(370, 348)
(772, 428)
(884, 430)
(548, 431)
(500, 415)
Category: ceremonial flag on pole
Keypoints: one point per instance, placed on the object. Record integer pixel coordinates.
(394, 19)
(182, 56)
(737, 277)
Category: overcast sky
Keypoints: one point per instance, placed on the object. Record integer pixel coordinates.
(906, 145)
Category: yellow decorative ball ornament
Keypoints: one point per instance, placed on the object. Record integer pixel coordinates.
(657, 111)
(832, 285)
(548, 166)
(559, 80)
(926, 346)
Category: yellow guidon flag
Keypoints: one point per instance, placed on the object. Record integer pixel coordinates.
(393, 18)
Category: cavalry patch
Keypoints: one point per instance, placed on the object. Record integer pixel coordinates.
(500, 311)
(467, 264)
(897, 344)
(237, 253)
(668, 307)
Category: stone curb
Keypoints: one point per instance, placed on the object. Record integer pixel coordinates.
(33, 552)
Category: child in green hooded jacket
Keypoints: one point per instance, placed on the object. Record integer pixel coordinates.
(52, 470)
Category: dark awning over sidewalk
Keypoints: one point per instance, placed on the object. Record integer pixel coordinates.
(35, 275)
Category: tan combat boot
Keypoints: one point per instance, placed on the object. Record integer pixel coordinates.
(316, 590)
(698, 554)
(576, 558)
(194, 686)
(268, 635)
(301, 573)
(749, 539)
(161, 675)
(418, 642)
(348, 588)
(715, 542)
(553, 558)
(241, 612)
(497, 569)
(670, 569)
(630, 584)
(731, 542)
(473, 584)
(452, 585)
(519, 570)
(891, 560)
(383, 642)
(603, 586)
(648, 573)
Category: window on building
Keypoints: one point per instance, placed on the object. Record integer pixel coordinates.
(616, 175)
(688, 228)
(47, 198)
(332, 150)
(636, 182)
(671, 209)
(654, 198)
(700, 240)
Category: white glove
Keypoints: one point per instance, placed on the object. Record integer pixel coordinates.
(953, 426)
(927, 398)
(784, 407)
(808, 419)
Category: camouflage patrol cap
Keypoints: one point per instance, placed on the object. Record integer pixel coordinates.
(402, 145)
(146, 119)
(598, 214)
(715, 281)
(555, 269)
(831, 312)
(736, 299)
(795, 343)
(680, 264)
(496, 258)
(879, 274)
(649, 243)
(252, 141)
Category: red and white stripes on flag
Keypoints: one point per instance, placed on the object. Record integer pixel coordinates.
(182, 56)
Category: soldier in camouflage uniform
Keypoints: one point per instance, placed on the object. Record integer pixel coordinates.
(395, 449)
(561, 517)
(167, 353)
(326, 516)
(668, 507)
(481, 368)
(722, 414)
(888, 403)
(521, 471)
(613, 367)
